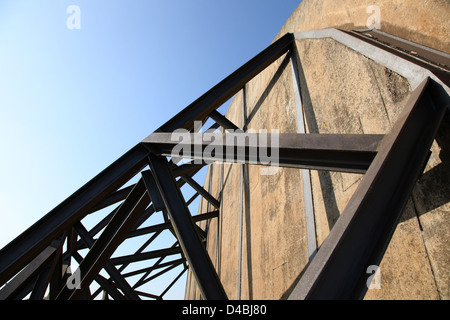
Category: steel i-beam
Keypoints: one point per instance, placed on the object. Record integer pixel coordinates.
(191, 244)
(362, 233)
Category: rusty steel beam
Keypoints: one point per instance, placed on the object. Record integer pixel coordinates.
(168, 225)
(336, 152)
(185, 229)
(363, 231)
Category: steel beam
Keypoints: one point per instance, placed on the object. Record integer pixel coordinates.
(105, 285)
(29, 272)
(152, 268)
(144, 281)
(223, 121)
(205, 194)
(140, 282)
(145, 255)
(78, 245)
(223, 91)
(153, 191)
(336, 152)
(168, 225)
(435, 56)
(184, 227)
(57, 276)
(435, 61)
(115, 275)
(115, 232)
(365, 227)
(15, 255)
(174, 281)
(113, 198)
(186, 168)
(148, 295)
(48, 274)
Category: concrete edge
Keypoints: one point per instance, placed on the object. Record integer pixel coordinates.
(409, 70)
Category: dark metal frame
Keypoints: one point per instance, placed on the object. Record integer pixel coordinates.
(38, 259)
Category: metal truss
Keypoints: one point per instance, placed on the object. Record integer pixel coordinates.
(144, 182)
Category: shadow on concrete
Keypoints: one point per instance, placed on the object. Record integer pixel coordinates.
(269, 87)
(432, 189)
(329, 198)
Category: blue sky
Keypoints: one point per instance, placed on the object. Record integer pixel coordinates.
(73, 101)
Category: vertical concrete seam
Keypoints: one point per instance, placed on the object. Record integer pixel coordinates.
(241, 211)
(220, 222)
(416, 211)
(305, 174)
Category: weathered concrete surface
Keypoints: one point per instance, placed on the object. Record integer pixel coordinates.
(346, 93)
(431, 198)
(424, 22)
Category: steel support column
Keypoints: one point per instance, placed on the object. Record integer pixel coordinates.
(193, 249)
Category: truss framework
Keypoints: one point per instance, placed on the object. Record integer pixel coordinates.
(36, 263)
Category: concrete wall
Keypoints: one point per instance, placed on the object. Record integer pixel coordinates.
(424, 22)
(349, 93)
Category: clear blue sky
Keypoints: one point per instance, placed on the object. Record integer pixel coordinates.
(73, 101)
